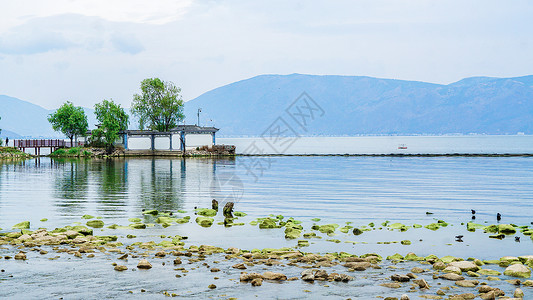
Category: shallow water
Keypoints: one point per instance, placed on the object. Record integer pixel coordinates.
(336, 189)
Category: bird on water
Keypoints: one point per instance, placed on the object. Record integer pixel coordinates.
(498, 217)
(517, 239)
(473, 211)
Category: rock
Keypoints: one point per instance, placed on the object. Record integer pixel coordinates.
(465, 266)
(177, 261)
(144, 264)
(212, 286)
(20, 256)
(206, 212)
(274, 276)
(308, 275)
(292, 233)
(95, 223)
(466, 296)
(321, 275)
(214, 270)
(120, 268)
(257, 282)
(204, 221)
(72, 234)
(439, 265)
(247, 277)
(472, 274)
(404, 297)
(417, 270)
(240, 266)
(357, 231)
(489, 272)
(421, 283)
(506, 229)
(514, 281)
(339, 277)
(400, 278)
(452, 269)
(392, 285)
(467, 283)
(509, 259)
(22, 225)
(267, 223)
(452, 276)
(138, 226)
(161, 254)
(518, 293)
(518, 270)
(492, 278)
(358, 266)
(528, 283)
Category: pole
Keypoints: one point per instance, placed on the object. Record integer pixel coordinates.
(199, 110)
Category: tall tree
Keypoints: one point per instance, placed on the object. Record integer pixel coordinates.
(70, 120)
(112, 118)
(159, 105)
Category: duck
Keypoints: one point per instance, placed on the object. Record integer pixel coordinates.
(517, 239)
(473, 211)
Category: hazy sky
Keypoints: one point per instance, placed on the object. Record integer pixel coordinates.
(85, 51)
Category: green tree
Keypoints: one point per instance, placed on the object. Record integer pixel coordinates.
(112, 118)
(70, 120)
(159, 105)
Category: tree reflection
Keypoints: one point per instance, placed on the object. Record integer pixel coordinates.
(110, 177)
(71, 185)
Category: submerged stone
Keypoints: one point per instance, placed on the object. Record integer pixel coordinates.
(87, 217)
(328, 228)
(357, 231)
(239, 214)
(473, 226)
(399, 226)
(267, 223)
(206, 212)
(135, 220)
(491, 229)
(506, 229)
(292, 233)
(517, 270)
(432, 226)
(138, 226)
(95, 223)
(204, 221)
(406, 242)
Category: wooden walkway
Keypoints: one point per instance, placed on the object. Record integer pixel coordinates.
(38, 144)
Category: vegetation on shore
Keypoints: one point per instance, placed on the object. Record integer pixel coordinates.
(71, 152)
(12, 152)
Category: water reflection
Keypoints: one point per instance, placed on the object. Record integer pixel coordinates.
(71, 182)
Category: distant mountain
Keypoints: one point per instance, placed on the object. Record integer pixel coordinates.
(24, 119)
(355, 105)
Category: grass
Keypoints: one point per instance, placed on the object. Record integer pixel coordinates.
(75, 151)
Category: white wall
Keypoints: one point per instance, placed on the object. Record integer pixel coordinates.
(162, 143)
(176, 141)
(139, 143)
(198, 140)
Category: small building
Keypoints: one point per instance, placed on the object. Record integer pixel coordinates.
(179, 138)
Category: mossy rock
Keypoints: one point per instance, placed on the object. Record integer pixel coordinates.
(113, 226)
(489, 272)
(204, 221)
(107, 238)
(406, 242)
(267, 223)
(448, 259)
(44, 220)
(292, 233)
(206, 212)
(399, 226)
(95, 223)
(328, 228)
(303, 243)
(183, 220)
(357, 231)
(138, 226)
(22, 225)
(396, 256)
(417, 226)
(87, 217)
(162, 220)
(432, 226)
(152, 212)
(506, 229)
(491, 229)
(442, 223)
(315, 219)
(239, 214)
(413, 257)
(473, 226)
(13, 235)
(135, 220)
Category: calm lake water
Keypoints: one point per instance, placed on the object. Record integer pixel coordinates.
(335, 189)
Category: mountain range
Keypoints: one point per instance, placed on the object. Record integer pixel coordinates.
(340, 105)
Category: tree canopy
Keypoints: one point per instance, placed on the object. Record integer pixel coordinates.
(159, 106)
(70, 120)
(112, 118)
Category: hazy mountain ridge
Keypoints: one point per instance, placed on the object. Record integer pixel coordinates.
(352, 105)
(364, 105)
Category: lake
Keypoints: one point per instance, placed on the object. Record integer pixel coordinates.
(335, 189)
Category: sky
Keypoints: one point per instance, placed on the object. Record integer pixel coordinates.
(86, 51)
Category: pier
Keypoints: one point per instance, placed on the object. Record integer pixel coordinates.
(47, 143)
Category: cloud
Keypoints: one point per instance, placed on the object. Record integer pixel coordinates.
(33, 43)
(126, 43)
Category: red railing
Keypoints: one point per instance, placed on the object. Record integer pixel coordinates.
(45, 143)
